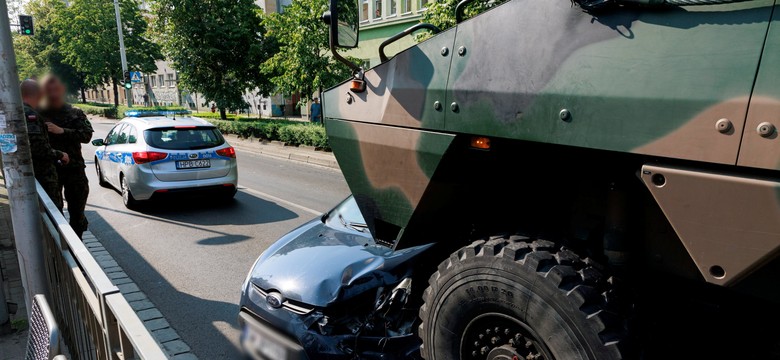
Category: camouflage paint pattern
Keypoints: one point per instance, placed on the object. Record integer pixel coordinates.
(759, 151)
(651, 82)
(392, 187)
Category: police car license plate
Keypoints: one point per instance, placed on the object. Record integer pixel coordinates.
(193, 164)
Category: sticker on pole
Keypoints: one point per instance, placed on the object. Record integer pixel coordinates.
(7, 143)
(3, 123)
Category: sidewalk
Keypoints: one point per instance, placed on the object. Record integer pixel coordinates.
(13, 344)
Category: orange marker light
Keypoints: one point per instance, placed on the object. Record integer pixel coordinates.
(480, 142)
(358, 86)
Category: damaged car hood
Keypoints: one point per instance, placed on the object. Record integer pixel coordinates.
(318, 265)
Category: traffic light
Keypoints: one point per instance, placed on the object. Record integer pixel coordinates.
(26, 25)
(127, 80)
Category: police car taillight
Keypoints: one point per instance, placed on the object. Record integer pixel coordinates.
(143, 157)
(227, 152)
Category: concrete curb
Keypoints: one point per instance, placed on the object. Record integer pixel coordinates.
(276, 149)
(153, 319)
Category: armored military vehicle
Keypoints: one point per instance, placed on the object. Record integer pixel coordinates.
(594, 180)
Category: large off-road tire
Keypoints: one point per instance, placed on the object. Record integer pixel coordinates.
(514, 298)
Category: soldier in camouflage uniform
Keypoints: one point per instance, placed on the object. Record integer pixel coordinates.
(44, 157)
(68, 129)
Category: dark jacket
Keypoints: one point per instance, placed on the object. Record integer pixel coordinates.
(78, 131)
(43, 155)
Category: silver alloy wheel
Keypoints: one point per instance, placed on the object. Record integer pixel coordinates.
(125, 192)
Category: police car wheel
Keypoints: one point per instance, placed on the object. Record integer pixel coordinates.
(101, 179)
(127, 197)
(518, 298)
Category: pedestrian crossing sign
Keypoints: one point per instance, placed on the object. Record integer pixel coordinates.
(135, 76)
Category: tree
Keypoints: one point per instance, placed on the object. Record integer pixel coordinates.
(442, 13)
(41, 53)
(303, 62)
(216, 45)
(89, 42)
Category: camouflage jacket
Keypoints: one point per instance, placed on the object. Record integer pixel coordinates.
(43, 155)
(78, 131)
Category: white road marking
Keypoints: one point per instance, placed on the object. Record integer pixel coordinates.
(280, 200)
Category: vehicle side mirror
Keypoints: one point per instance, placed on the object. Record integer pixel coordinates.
(344, 21)
(98, 142)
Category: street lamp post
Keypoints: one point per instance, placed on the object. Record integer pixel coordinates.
(128, 91)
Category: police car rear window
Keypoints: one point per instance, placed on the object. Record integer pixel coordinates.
(183, 138)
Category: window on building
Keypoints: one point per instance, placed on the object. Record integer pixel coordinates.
(377, 9)
(393, 8)
(171, 80)
(406, 6)
(422, 5)
(153, 83)
(161, 80)
(364, 10)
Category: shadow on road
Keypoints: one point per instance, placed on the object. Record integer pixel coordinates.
(203, 316)
(245, 209)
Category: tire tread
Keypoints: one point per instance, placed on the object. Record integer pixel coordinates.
(581, 280)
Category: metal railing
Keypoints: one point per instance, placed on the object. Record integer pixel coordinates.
(95, 319)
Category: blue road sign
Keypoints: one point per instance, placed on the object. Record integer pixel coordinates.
(135, 76)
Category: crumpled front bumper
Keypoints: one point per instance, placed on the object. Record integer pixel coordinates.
(297, 332)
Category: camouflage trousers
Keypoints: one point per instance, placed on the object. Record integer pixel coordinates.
(47, 177)
(76, 186)
(52, 189)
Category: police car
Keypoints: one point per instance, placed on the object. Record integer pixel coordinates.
(155, 154)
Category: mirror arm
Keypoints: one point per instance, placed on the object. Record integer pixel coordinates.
(355, 69)
(460, 9)
(406, 32)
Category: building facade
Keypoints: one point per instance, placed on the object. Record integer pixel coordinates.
(381, 19)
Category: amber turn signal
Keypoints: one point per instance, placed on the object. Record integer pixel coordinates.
(480, 142)
(358, 86)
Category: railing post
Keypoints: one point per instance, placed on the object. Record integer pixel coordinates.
(17, 166)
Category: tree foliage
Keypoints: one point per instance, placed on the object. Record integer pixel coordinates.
(442, 12)
(216, 45)
(89, 42)
(303, 62)
(39, 54)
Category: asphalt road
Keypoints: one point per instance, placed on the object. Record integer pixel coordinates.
(191, 258)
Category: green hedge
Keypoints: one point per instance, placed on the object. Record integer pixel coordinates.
(111, 112)
(104, 111)
(290, 132)
(215, 115)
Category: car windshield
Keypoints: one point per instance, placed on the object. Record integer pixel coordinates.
(184, 138)
(347, 215)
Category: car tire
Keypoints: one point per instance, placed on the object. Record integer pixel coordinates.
(127, 196)
(516, 298)
(101, 179)
(227, 197)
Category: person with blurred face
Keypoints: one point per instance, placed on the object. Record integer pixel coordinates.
(68, 128)
(45, 158)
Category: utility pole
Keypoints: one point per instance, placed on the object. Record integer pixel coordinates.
(18, 171)
(128, 91)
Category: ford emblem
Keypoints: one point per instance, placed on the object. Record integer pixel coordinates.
(193, 156)
(274, 300)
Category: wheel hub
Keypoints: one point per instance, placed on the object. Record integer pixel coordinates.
(495, 336)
